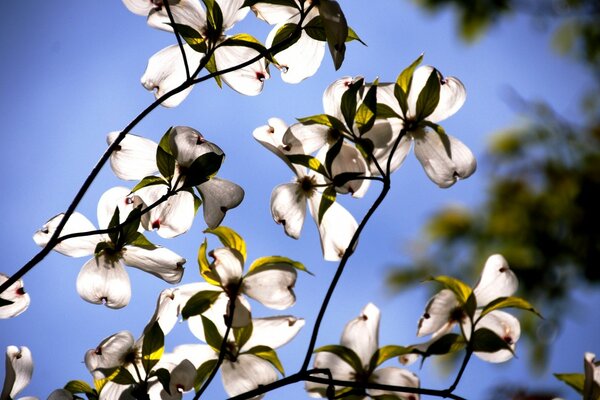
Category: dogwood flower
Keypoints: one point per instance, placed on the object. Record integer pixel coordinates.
(289, 200)
(250, 361)
(18, 370)
(14, 300)
(102, 279)
(135, 159)
(444, 310)
(166, 69)
(360, 343)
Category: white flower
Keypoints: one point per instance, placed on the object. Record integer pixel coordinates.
(591, 385)
(103, 279)
(360, 340)
(15, 294)
(166, 69)
(19, 368)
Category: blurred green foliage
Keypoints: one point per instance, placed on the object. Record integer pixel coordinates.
(542, 205)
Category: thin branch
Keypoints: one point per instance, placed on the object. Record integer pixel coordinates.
(179, 41)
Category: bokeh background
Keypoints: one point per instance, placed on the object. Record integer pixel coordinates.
(70, 74)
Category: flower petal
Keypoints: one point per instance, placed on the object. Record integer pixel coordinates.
(187, 144)
(305, 139)
(362, 334)
(134, 158)
(19, 368)
(383, 134)
(197, 354)
(232, 12)
(246, 373)
(497, 280)
(288, 207)
(110, 353)
(336, 229)
(219, 196)
(272, 286)
(228, 264)
(273, 331)
(444, 166)
(166, 71)
(103, 280)
(16, 294)
(185, 12)
(274, 13)
(395, 377)
(332, 97)
(170, 218)
(301, 60)
(74, 247)
(160, 262)
(271, 135)
(438, 314)
(348, 160)
(504, 325)
(112, 391)
(120, 197)
(339, 369)
(248, 80)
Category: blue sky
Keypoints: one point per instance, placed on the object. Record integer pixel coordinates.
(70, 74)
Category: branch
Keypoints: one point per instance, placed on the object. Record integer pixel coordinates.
(178, 37)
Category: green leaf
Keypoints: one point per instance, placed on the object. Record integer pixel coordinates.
(118, 375)
(458, 287)
(315, 29)
(142, 242)
(165, 161)
(192, 37)
(214, 17)
(211, 334)
(114, 222)
(366, 147)
(211, 67)
(429, 97)
(308, 161)
(286, 36)
(487, 341)
(385, 353)
(203, 372)
(148, 181)
(385, 111)
(346, 354)
(403, 84)
(349, 101)
(331, 154)
(327, 200)
(345, 177)
(470, 306)
(129, 231)
(449, 343)
(336, 30)
(269, 261)
(324, 119)
(509, 302)
(203, 168)
(242, 334)
(164, 377)
(78, 386)
(267, 354)
(367, 111)
(4, 302)
(576, 381)
(208, 274)
(353, 36)
(199, 303)
(152, 347)
(229, 238)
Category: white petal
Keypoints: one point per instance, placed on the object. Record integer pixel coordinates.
(187, 144)
(271, 135)
(274, 13)
(103, 280)
(242, 315)
(16, 294)
(117, 196)
(348, 159)
(438, 313)
(273, 331)
(182, 376)
(305, 139)
(140, 7)
(301, 60)
(288, 207)
(170, 218)
(166, 71)
(112, 391)
(497, 280)
(197, 354)
(216, 313)
(504, 325)
(75, 247)
(246, 373)
(185, 12)
(232, 12)
(336, 229)
(60, 394)
(395, 377)
(441, 168)
(332, 97)
(166, 312)
(362, 334)
(219, 196)
(272, 286)
(339, 369)
(248, 80)
(160, 262)
(134, 158)
(228, 264)
(110, 353)
(383, 134)
(19, 368)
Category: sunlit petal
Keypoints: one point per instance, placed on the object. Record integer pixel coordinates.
(273, 286)
(232, 12)
(248, 80)
(332, 97)
(160, 262)
(301, 60)
(362, 333)
(246, 373)
(110, 353)
(395, 377)
(497, 280)
(339, 369)
(438, 313)
(197, 354)
(219, 196)
(507, 328)
(74, 247)
(305, 139)
(348, 160)
(134, 158)
(103, 280)
(273, 331)
(274, 13)
(120, 197)
(228, 264)
(288, 208)
(185, 12)
(170, 218)
(16, 294)
(19, 368)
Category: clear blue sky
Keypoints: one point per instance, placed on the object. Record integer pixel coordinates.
(70, 74)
